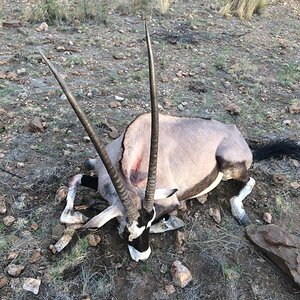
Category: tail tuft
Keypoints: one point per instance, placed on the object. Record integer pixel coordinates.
(276, 149)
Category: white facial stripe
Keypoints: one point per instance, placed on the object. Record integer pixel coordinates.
(137, 255)
(154, 215)
(135, 231)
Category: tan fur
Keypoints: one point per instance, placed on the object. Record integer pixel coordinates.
(188, 150)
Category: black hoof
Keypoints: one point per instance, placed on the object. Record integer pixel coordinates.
(244, 220)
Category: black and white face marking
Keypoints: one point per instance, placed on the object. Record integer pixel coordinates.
(137, 236)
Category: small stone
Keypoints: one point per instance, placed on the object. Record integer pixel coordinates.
(119, 56)
(14, 270)
(202, 199)
(3, 281)
(119, 98)
(180, 107)
(295, 163)
(2, 205)
(93, 239)
(43, 27)
(114, 104)
(170, 289)
(164, 79)
(287, 122)
(32, 285)
(36, 256)
(67, 152)
(182, 206)
(21, 71)
(163, 269)
(34, 226)
(233, 109)
(215, 214)
(180, 237)
(12, 255)
(11, 24)
(63, 97)
(113, 134)
(86, 139)
(295, 185)
(267, 217)
(118, 266)
(295, 107)
(61, 194)
(20, 165)
(57, 231)
(52, 249)
(203, 65)
(11, 75)
(20, 202)
(9, 220)
(278, 178)
(180, 274)
(36, 125)
(60, 48)
(167, 103)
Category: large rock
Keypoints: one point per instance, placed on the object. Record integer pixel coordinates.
(280, 246)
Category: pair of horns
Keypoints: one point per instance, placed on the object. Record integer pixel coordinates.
(131, 210)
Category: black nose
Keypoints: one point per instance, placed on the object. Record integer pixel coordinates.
(141, 243)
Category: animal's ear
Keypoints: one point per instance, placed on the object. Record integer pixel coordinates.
(164, 193)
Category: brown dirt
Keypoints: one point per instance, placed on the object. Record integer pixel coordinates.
(204, 62)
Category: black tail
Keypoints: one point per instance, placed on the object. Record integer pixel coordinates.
(276, 149)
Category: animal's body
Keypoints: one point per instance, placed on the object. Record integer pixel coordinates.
(192, 153)
(190, 157)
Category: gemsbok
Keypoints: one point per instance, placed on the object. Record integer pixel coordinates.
(183, 157)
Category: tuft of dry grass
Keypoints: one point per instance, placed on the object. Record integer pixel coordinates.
(66, 10)
(164, 5)
(244, 9)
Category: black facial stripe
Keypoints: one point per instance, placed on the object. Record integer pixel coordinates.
(144, 218)
(141, 243)
(90, 181)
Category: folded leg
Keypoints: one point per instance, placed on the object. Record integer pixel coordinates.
(69, 216)
(236, 202)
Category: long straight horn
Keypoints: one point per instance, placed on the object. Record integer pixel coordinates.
(131, 210)
(152, 170)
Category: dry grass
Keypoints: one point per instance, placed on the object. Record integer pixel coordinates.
(83, 10)
(164, 6)
(67, 10)
(244, 9)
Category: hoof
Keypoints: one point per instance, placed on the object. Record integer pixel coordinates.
(244, 220)
(172, 223)
(70, 217)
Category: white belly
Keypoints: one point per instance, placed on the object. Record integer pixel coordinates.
(212, 186)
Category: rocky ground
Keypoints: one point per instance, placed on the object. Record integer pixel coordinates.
(235, 71)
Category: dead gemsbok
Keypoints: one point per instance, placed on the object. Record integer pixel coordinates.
(190, 159)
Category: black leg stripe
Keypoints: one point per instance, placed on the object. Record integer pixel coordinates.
(90, 181)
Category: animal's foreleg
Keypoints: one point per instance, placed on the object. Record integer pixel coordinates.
(236, 202)
(69, 216)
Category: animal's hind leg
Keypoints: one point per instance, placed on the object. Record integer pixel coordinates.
(236, 202)
(69, 216)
